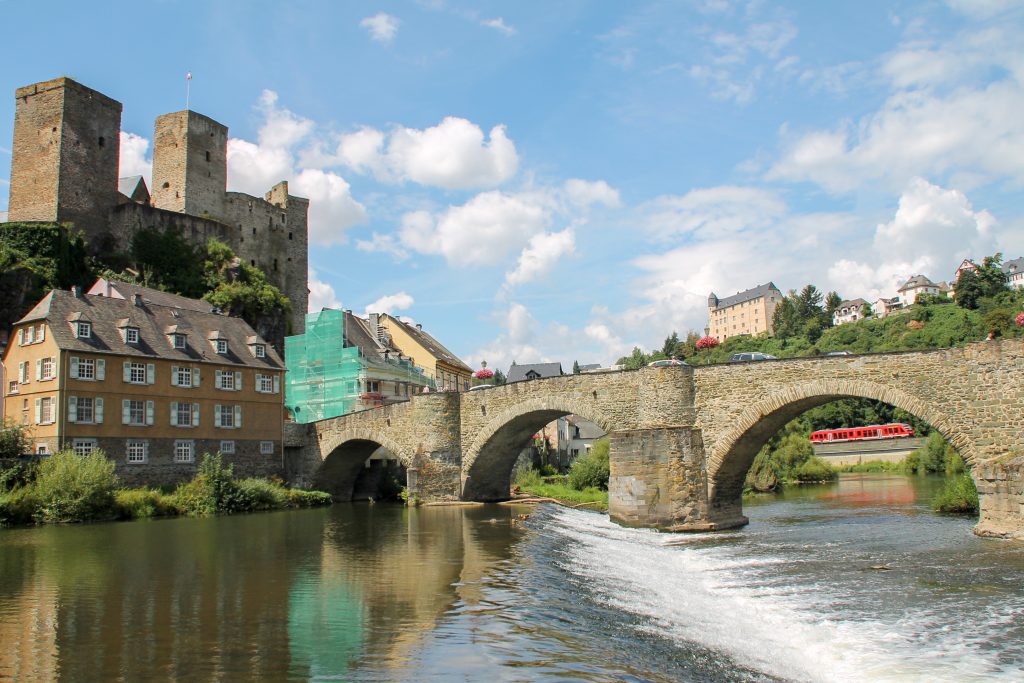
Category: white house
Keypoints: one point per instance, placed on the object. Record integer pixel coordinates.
(848, 311)
(915, 287)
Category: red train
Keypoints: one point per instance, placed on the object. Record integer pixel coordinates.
(895, 430)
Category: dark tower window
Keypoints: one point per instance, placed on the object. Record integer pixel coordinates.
(275, 264)
(207, 156)
(102, 141)
(253, 262)
(289, 235)
(254, 231)
(166, 185)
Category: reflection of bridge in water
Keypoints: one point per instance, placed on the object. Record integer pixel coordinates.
(683, 438)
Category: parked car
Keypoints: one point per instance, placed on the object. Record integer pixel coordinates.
(750, 355)
(666, 362)
(610, 368)
(838, 353)
(481, 386)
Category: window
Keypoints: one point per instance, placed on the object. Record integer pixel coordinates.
(178, 341)
(266, 447)
(83, 447)
(183, 451)
(271, 384)
(46, 368)
(29, 335)
(181, 376)
(135, 412)
(136, 452)
(224, 416)
(44, 411)
(227, 447)
(184, 414)
(41, 449)
(81, 409)
(229, 380)
(131, 335)
(12, 386)
(220, 346)
(259, 350)
(373, 386)
(135, 373)
(83, 330)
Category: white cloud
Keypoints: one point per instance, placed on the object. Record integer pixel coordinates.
(517, 342)
(586, 192)
(386, 244)
(932, 230)
(712, 212)
(321, 294)
(982, 9)
(391, 303)
(133, 160)
(499, 25)
(332, 210)
(381, 26)
(541, 255)
(453, 155)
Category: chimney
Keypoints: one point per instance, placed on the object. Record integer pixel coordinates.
(136, 300)
(419, 326)
(76, 291)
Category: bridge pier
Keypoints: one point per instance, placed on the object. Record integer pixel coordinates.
(659, 479)
(1000, 484)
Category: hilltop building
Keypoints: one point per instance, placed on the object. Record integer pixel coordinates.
(339, 366)
(848, 311)
(916, 286)
(748, 312)
(153, 379)
(449, 372)
(64, 168)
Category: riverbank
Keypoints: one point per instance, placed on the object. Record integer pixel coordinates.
(66, 487)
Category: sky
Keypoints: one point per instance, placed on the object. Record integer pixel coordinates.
(538, 181)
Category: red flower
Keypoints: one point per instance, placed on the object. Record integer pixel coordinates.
(1019, 320)
(707, 343)
(483, 373)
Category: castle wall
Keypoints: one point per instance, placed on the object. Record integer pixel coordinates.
(65, 158)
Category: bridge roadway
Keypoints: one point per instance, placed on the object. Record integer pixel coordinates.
(683, 438)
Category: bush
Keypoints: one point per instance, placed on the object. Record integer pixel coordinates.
(959, 496)
(13, 440)
(591, 470)
(814, 470)
(142, 504)
(211, 491)
(74, 488)
(528, 477)
(306, 499)
(18, 506)
(259, 494)
(763, 476)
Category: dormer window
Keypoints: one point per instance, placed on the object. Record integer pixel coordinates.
(178, 340)
(131, 335)
(259, 350)
(83, 330)
(220, 345)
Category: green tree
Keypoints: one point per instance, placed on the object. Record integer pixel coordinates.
(240, 289)
(14, 441)
(499, 378)
(635, 360)
(969, 289)
(865, 310)
(575, 367)
(832, 302)
(671, 341)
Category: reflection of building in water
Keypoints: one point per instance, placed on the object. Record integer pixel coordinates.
(28, 632)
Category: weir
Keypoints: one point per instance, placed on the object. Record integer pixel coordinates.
(683, 438)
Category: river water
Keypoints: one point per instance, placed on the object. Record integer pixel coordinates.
(384, 593)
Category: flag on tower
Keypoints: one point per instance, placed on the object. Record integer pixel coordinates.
(188, 76)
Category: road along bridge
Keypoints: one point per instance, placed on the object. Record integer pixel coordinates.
(682, 438)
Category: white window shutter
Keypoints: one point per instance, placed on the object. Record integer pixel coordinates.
(150, 373)
(195, 377)
(73, 408)
(39, 369)
(101, 369)
(216, 416)
(53, 366)
(195, 414)
(174, 413)
(277, 384)
(149, 412)
(41, 331)
(217, 379)
(238, 380)
(98, 410)
(238, 417)
(127, 372)
(126, 411)
(74, 367)
(39, 410)
(145, 449)
(21, 337)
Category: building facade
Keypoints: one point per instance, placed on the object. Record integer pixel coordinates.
(152, 379)
(848, 311)
(1014, 272)
(64, 168)
(915, 287)
(448, 371)
(339, 366)
(744, 313)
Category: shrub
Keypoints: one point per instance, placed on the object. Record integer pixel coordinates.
(13, 440)
(17, 473)
(959, 496)
(18, 506)
(307, 499)
(528, 477)
(142, 504)
(814, 470)
(591, 470)
(74, 488)
(763, 476)
(258, 494)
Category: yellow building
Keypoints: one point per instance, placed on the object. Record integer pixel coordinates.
(450, 373)
(749, 312)
(153, 379)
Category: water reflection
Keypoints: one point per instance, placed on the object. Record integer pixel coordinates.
(296, 595)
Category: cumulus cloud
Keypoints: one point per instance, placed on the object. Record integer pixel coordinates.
(382, 27)
(133, 159)
(585, 193)
(541, 255)
(932, 230)
(331, 207)
(499, 25)
(453, 155)
(712, 212)
(391, 303)
(321, 294)
(518, 341)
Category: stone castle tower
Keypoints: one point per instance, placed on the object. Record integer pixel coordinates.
(64, 168)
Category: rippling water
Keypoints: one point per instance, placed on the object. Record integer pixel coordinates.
(382, 593)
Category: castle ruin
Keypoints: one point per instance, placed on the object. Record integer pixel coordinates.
(64, 169)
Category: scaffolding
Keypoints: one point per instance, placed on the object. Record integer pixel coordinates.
(328, 376)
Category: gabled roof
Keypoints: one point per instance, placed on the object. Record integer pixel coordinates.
(134, 188)
(855, 303)
(747, 295)
(518, 373)
(427, 341)
(1013, 266)
(116, 289)
(109, 314)
(916, 282)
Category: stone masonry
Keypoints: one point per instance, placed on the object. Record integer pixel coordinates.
(682, 438)
(64, 168)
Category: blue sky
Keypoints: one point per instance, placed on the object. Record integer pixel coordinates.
(562, 181)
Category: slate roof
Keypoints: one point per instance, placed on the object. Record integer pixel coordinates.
(357, 333)
(588, 430)
(517, 373)
(124, 290)
(1013, 266)
(916, 282)
(431, 344)
(133, 187)
(590, 366)
(746, 295)
(855, 303)
(155, 322)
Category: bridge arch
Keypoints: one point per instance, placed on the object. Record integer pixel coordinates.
(487, 463)
(343, 455)
(732, 454)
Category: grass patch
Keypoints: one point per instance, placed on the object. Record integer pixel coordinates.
(958, 496)
(568, 495)
(873, 466)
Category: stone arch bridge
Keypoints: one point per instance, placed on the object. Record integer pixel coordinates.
(683, 438)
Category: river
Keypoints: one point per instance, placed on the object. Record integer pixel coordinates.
(384, 593)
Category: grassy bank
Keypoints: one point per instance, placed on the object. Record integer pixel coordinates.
(587, 481)
(70, 488)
